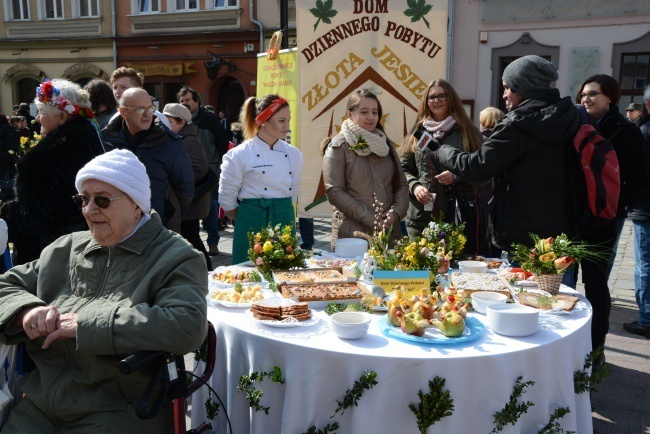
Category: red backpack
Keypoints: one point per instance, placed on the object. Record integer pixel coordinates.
(600, 187)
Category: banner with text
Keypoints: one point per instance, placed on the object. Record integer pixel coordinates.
(393, 47)
(280, 76)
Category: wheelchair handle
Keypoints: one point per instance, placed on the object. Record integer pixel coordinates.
(138, 360)
(209, 366)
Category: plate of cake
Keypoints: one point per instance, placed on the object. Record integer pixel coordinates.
(282, 313)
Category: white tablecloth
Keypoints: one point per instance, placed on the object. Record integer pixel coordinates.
(319, 368)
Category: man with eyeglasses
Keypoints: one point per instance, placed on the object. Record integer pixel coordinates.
(160, 150)
(526, 155)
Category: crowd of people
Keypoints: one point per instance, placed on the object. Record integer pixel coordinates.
(113, 278)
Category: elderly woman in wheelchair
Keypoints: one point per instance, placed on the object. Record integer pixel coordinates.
(126, 285)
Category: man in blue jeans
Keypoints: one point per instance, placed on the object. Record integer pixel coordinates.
(640, 215)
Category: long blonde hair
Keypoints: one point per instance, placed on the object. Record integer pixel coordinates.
(468, 134)
(249, 111)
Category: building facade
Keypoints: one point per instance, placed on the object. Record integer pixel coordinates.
(42, 39)
(210, 45)
(581, 38)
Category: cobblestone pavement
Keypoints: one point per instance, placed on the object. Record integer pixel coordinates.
(622, 404)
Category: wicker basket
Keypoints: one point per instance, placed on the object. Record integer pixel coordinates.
(549, 282)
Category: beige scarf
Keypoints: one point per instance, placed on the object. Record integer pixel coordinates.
(376, 140)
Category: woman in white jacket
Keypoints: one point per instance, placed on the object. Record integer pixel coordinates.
(260, 179)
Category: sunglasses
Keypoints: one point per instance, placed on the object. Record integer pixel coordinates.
(101, 201)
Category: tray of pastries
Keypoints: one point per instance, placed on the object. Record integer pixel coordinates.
(311, 275)
(318, 295)
(473, 282)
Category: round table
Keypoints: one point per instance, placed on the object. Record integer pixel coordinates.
(319, 368)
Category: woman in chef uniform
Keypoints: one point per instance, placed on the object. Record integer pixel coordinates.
(260, 179)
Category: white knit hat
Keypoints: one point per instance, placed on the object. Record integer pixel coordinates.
(121, 169)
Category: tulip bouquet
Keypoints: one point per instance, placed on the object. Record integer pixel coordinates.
(276, 248)
(551, 255)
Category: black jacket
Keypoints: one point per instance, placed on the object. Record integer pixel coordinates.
(9, 148)
(641, 209)
(164, 155)
(213, 137)
(527, 157)
(43, 209)
(629, 145)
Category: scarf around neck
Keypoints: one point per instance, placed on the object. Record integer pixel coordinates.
(364, 142)
(438, 129)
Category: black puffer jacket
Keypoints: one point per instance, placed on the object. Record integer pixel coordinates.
(43, 209)
(640, 210)
(527, 157)
(164, 155)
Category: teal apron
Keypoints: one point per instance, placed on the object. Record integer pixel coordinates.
(254, 214)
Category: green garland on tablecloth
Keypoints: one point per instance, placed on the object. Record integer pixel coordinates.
(433, 406)
(254, 395)
(513, 409)
(583, 381)
(553, 426)
(329, 429)
(367, 381)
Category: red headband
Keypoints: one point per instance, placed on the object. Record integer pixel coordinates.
(269, 111)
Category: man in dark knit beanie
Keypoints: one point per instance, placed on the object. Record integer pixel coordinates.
(529, 75)
(532, 139)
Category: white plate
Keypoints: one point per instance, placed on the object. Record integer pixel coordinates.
(286, 323)
(529, 283)
(379, 309)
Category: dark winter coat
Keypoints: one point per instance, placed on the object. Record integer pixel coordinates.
(213, 136)
(641, 209)
(43, 209)
(9, 148)
(164, 155)
(629, 145)
(200, 208)
(527, 157)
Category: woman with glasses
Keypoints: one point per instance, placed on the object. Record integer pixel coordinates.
(442, 117)
(44, 182)
(360, 164)
(599, 95)
(260, 179)
(124, 285)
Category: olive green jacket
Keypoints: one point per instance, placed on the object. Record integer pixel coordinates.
(146, 293)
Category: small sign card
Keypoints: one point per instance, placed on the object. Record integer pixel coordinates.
(413, 280)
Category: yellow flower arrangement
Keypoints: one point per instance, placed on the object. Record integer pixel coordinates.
(26, 144)
(274, 248)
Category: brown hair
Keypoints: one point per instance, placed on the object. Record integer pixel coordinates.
(249, 111)
(468, 135)
(608, 85)
(123, 71)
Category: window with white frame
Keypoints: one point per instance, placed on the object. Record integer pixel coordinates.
(224, 3)
(88, 8)
(53, 9)
(148, 6)
(187, 5)
(19, 9)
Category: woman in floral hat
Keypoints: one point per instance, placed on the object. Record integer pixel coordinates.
(359, 165)
(260, 179)
(43, 209)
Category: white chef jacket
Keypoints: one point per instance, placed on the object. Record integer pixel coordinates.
(253, 170)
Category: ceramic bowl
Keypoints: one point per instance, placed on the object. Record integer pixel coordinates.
(472, 266)
(512, 319)
(350, 325)
(350, 247)
(482, 299)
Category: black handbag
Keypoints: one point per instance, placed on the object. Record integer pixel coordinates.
(204, 185)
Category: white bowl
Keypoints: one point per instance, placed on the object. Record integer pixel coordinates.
(472, 266)
(482, 299)
(512, 319)
(350, 325)
(350, 247)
